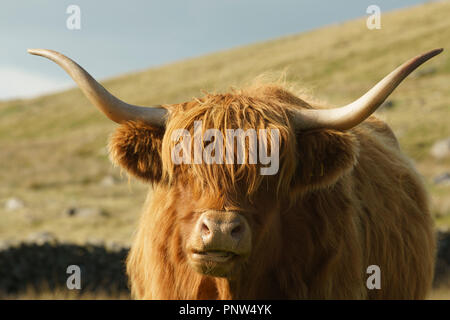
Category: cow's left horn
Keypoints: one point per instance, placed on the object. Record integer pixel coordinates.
(348, 116)
(114, 108)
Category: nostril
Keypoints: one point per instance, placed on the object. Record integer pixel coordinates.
(236, 231)
(205, 230)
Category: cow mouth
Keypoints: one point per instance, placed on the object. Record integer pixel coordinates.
(215, 263)
(218, 256)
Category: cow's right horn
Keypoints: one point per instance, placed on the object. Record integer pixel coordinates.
(114, 108)
(348, 116)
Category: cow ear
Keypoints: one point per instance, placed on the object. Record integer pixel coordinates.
(323, 157)
(136, 147)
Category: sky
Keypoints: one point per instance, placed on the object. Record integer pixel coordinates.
(124, 36)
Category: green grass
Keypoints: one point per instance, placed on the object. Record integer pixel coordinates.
(53, 148)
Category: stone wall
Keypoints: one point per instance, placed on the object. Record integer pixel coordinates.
(103, 269)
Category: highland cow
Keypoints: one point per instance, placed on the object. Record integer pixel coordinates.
(344, 198)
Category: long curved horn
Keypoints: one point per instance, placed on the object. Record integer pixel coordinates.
(114, 108)
(348, 116)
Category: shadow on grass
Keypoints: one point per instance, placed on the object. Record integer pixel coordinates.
(32, 267)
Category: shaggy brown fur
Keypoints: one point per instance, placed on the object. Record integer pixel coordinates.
(340, 202)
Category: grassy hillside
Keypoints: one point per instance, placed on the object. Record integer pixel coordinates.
(53, 148)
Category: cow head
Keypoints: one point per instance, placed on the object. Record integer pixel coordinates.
(228, 213)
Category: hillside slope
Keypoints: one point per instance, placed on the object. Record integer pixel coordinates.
(53, 148)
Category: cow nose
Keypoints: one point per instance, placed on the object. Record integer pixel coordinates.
(222, 228)
(229, 229)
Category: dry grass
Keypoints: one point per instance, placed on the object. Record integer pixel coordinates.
(440, 294)
(60, 294)
(66, 294)
(53, 148)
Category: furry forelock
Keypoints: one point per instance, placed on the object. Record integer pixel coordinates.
(240, 109)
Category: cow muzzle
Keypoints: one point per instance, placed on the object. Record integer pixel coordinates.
(220, 241)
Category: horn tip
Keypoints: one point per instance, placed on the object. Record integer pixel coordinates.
(32, 51)
(35, 51)
(41, 52)
(438, 50)
(434, 52)
(427, 56)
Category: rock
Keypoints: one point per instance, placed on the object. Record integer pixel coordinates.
(442, 268)
(69, 212)
(443, 230)
(108, 181)
(95, 242)
(5, 244)
(442, 179)
(84, 212)
(103, 151)
(440, 206)
(441, 149)
(113, 246)
(41, 237)
(13, 204)
(387, 105)
(90, 212)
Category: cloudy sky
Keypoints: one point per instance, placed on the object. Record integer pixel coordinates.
(117, 37)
